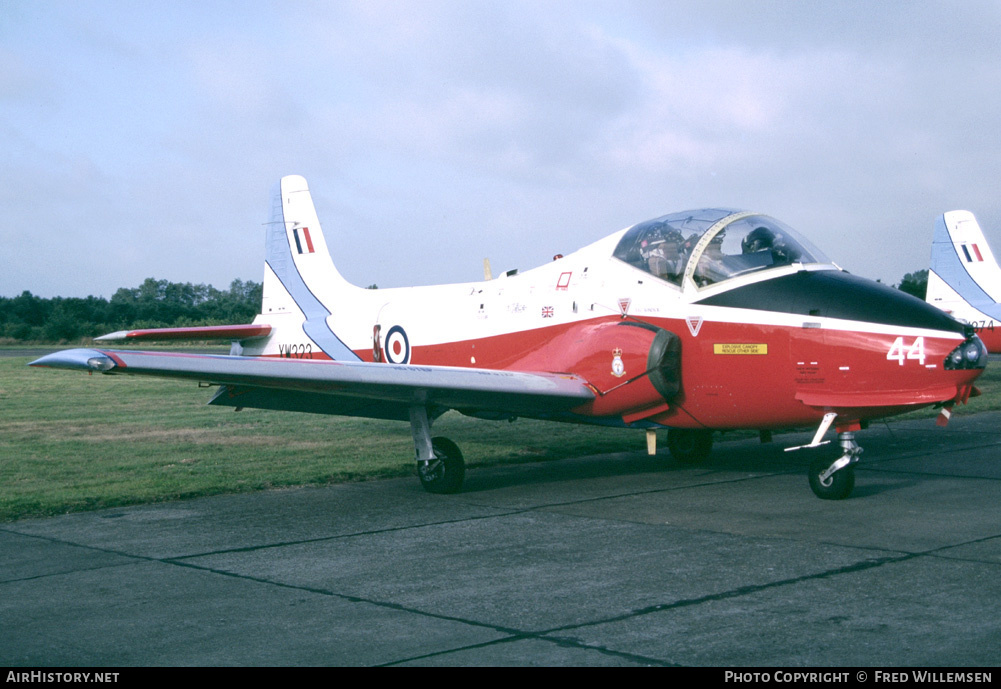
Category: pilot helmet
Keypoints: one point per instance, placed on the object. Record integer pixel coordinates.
(757, 240)
(783, 253)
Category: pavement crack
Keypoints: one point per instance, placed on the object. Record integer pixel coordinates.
(739, 592)
(557, 634)
(565, 642)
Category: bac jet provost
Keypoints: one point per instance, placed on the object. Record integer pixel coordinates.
(698, 321)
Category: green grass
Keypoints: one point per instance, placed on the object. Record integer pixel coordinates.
(71, 442)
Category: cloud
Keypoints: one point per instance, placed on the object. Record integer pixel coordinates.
(434, 133)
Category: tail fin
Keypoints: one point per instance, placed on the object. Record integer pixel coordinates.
(962, 262)
(965, 279)
(300, 280)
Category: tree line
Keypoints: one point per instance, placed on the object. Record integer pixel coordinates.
(153, 304)
(163, 304)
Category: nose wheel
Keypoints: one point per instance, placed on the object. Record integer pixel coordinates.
(836, 480)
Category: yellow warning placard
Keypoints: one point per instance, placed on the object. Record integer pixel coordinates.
(740, 348)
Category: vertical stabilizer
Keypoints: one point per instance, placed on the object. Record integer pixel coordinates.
(301, 283)
(964, 277)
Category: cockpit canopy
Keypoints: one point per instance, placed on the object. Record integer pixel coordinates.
(713, 245)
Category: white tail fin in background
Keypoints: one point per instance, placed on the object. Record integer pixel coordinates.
(964, 277)
(301, 284)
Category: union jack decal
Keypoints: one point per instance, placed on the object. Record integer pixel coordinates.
(976, 250)
(305, 234)
(547, 311)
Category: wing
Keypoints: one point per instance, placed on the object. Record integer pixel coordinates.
(344, 387)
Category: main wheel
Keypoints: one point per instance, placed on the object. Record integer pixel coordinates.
(837, 486)
(690, 445)
(446, 472)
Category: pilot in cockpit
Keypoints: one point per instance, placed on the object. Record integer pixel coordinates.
(759, 239)
(664, 254)
(675, 256)
(652, 251)
(764, 239)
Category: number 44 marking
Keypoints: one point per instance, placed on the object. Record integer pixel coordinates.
(899, 351)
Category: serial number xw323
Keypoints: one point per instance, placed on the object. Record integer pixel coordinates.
(296, 351)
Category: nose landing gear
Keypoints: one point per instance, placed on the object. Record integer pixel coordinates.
(835, 481)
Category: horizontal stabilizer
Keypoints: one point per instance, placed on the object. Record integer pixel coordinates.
(210, 332)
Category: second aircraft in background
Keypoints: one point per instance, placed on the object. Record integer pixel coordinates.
(964, 278)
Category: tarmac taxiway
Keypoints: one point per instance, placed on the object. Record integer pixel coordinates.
(614, 560)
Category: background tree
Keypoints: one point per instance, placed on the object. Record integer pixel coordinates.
(153, 304)
(915, 283)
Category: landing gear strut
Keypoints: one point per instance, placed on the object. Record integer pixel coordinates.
(835, 481)
(440, 465)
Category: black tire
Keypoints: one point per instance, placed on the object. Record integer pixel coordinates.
(690, 445)
(447, 473)
(838, 485)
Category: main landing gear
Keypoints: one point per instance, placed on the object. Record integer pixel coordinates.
(440, 465)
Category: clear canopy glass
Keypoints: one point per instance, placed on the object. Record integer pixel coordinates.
(713, 245)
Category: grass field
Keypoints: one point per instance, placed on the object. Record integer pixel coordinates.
(71, 442)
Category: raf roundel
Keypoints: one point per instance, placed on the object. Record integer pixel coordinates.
(397, 346)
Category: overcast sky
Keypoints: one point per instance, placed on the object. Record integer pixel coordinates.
(142, 139)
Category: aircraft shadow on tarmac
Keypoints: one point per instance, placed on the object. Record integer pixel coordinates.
(740, 460)
(745, 459)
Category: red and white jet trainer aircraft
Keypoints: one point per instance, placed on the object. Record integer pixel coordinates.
(698, 321)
